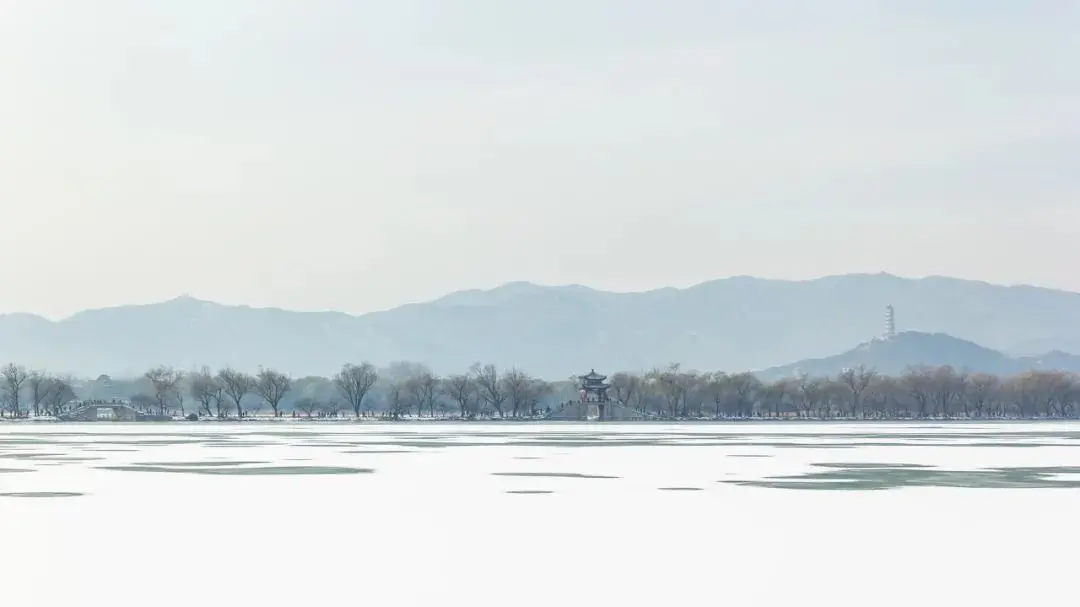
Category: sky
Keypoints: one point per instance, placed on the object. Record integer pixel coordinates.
(356, 155)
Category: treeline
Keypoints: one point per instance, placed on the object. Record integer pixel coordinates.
(486, 392)
(360, 390)
(23, 392)
(860, 393)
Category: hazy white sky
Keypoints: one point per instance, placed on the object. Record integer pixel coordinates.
(355, 155)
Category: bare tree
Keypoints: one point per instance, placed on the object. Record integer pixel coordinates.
(462, 390)
(810, 392)
(221, 403)
(744, 388)
(947, 387)
(639, 400)
(834, 396)
(396, 404)
(39, 385)
(58, 394)
(1023, 391)
(857, 381)
(517, 384)
(272, 387)
(236, 385)
(625, 387)
(164, 381)
(178, 396)
(980, 389)
(919, 384)
(715, 391)
(696, 393)
(773, 396)
(422, 390)
(308, 405)
(13, 377)
(1053, 392)
(206, 390)
(885, 396)
(671, 386)
(354, 382)
(490, 386)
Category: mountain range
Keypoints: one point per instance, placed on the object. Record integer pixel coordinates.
(739, 323)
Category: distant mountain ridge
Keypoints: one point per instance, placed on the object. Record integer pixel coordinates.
(740, 323)
(894, 355)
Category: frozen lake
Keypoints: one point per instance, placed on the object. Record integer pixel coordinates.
(529, 514)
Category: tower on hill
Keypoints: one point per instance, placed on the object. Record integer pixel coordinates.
(890, 322)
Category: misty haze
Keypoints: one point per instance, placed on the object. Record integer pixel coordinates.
(538, 302)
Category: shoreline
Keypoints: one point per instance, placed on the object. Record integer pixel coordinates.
(450, 420)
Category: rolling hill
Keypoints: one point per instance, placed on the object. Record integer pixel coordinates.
(911, 348)
(730, 324)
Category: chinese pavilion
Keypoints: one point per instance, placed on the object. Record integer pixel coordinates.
(594, 393)
(594, 403)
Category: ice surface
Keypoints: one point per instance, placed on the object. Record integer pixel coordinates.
(514, 514)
